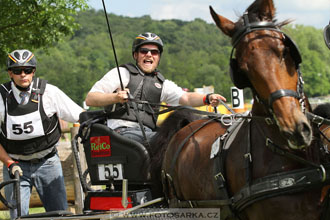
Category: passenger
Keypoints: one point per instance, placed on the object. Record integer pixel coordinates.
(30, 109)
(144, 82)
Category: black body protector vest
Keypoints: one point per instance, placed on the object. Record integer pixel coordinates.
(144, 87)
(26, 128)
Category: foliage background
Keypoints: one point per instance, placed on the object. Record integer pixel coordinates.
(196, 53)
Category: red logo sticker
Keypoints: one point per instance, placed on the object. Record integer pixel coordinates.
(159, 86)
(100, 146)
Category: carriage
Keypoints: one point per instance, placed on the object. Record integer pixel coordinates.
(273, 164)
(113, 161)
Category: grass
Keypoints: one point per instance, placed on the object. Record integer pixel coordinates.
(4, 215)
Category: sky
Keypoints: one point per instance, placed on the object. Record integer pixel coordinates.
(307, 12)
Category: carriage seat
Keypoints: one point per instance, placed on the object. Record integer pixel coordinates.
(108, 152)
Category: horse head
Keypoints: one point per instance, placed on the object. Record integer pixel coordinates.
(267, 61)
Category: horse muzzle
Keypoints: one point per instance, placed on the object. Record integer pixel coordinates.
(299, 137)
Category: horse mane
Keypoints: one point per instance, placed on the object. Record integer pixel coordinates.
(323, 110)
(256, 16)
(158, 143)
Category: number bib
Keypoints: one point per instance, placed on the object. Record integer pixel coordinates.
(27, 129)
(24, 127)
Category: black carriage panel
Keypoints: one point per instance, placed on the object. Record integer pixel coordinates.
(110, 156)
(84, 117)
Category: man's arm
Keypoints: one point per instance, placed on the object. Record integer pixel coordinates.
(4, 157)
(103, 92)
(195, 99)
(99, 99)
(10, 163)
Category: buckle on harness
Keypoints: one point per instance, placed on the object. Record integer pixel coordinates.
(324, 173)
(317, 119)
(229, 118)
(248, 155)
(216, 176)
(269, 121)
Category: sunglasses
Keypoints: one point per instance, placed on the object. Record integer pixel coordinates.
(145, 51)
(18, 71)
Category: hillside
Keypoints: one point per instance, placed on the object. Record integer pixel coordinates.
(195, 54)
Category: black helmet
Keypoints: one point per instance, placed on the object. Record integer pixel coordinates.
(147, 38)
(19, 58)
(326, 35)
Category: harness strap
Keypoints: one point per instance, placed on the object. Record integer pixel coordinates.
(276, 149)
(177, 153)
(248, 156)
(136, 110)
(281, 184)
(317, 119)
(201, 203)
(322, 133)
(281, 93)
(219, 175)
(39, 86)
(222, 195)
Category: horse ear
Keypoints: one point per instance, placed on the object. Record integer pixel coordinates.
(226, 25)
(266, 10)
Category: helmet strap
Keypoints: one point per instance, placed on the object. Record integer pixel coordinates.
(21, 88)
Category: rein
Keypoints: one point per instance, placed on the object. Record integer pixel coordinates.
(322, 133)
(230, 118)
(278, 150)
(316, 119)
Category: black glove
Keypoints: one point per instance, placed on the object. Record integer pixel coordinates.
(13, 168)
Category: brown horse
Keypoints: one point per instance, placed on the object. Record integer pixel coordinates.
(261, 167)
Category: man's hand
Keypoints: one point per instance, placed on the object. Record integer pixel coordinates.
(214, 99)
(122, 96)
(13, 168)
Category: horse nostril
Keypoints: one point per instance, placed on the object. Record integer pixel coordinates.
(306, 129)
(306, 132)
(300, 137)
(302, 134)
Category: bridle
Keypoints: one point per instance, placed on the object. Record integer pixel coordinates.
(322, 130)
(263, 25)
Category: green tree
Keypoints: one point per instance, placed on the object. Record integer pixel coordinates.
(315, 65)
(35, 24)
(195, 54)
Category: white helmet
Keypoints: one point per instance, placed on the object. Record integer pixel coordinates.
(147, 38)
(19, 58)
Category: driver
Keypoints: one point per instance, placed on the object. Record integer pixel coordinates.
(144, 82)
